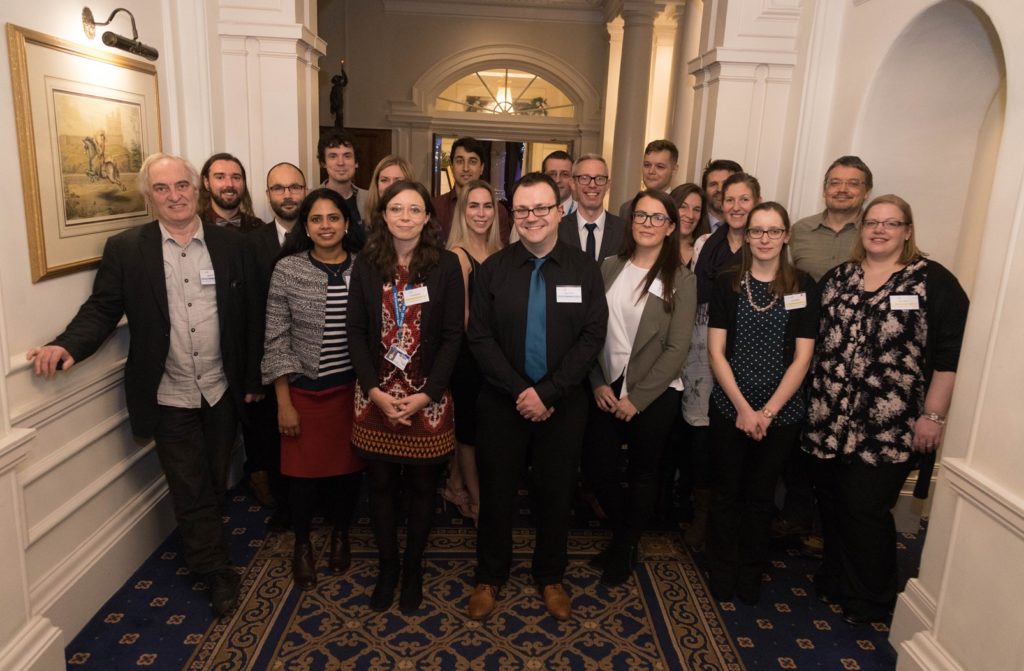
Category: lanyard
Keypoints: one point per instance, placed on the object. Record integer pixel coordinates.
(400, 308)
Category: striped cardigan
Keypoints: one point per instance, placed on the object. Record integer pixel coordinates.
(295, 319)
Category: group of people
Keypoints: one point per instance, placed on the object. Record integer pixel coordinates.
(383, 333)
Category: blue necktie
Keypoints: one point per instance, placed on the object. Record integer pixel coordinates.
(536, 364)
(591, 241)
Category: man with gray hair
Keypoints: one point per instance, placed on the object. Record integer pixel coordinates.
(591, 228)
(193, 357)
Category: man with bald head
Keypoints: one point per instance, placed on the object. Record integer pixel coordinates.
(192, 308)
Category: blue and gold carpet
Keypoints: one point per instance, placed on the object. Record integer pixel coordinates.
(664, 618)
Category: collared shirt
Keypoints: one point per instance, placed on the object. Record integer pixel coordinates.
(240, 222)
(568, 206)
(193, 369)
(581, 223)
(815, 248)
(577, 319)
(714, 222)
(281, 232)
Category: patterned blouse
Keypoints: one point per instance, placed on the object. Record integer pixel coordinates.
(875, 356)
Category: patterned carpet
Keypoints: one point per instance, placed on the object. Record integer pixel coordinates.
(662, 619)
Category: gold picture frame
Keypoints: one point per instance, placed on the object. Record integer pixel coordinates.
(86, 119)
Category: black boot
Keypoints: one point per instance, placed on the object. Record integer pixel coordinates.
(384, 591)
(340, 557)
(412, 587)
(303, 566)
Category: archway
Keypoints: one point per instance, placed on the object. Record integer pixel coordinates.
(931, 127)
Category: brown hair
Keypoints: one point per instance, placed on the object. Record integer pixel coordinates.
(668, 262)
(680, 194)
(786, 281)
(380, 245)
(372, 192)
(910, 251)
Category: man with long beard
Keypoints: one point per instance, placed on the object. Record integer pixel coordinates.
(224, 195)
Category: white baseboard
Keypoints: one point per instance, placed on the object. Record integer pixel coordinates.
(72, 592)
(39, 646)
(915, 612)
(923, 653)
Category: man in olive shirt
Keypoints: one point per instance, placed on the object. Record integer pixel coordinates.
(822, 241)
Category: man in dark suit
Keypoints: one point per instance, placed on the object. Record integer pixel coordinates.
(591, 228)
(286, 187)
(189, 296)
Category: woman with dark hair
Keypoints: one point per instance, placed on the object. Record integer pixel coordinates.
(762, 322)
(306, 358)
(405, 321)
(713, 254)
(636, 386)
(473, 238)
(892, 323)
(689, 200)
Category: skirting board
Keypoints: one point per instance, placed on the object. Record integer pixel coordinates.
(915, 612)
(74, 590)
(38, 646)
(923, 653)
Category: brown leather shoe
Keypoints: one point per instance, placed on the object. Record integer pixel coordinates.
(339, 557)
(482, 601)
(557, 601)
(304, 566)
(259, 483)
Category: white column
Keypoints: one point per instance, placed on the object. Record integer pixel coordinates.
(268, 89)
(743, 84)
(660, 100)
(687, 46)
(634, 90)
(611, 98)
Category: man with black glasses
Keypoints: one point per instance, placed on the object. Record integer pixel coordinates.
(591, 228)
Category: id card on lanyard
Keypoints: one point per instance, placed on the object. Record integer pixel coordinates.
(397, 356)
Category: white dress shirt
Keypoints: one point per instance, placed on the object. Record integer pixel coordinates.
(598, 232)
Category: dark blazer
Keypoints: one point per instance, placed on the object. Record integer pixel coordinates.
(611, 241)
(662, 339)
(130, 281)
(441, 321)
(264, 250)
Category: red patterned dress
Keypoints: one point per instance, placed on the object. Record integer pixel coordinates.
(431, 436)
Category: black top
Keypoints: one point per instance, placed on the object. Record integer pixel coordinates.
(355, 233)
(497, 320)
(715, 257)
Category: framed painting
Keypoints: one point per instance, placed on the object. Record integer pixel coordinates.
(86, 120)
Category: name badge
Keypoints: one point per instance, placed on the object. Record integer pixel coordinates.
(795, 301)
(905, 302)
(207, 277)
(397, 357)
(416, 296)
(568, 294)
(657, 288)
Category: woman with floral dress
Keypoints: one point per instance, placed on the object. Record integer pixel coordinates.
(891, 327)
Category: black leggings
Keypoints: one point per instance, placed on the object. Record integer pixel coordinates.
(419, 483)
(341, 493)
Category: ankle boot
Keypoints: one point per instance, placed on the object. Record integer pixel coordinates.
(697, 531)
(412, 587)
(303, 565)
(618, 565)
(384, 591)
(340, 555)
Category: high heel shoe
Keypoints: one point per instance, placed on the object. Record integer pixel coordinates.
(458, 498)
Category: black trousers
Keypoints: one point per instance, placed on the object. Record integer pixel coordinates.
(263, 444)
(506, 443)
(646, 434)
(194, 448)
(739, 522)
(859, 569)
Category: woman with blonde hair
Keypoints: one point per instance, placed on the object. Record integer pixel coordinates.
(392, 168)
(474, 236)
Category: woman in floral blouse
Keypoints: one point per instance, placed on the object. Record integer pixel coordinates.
(891, 327)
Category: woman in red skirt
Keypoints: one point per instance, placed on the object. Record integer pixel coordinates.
(405, 322)
(306, 357)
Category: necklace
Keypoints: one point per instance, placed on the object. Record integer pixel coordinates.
(750, 296)
(333, 269)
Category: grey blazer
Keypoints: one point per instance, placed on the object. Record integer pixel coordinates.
(611, 241)
(662, 339)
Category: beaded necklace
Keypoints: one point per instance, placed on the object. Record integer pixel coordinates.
(747, 278)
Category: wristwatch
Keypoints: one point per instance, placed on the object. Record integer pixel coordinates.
(935, 417)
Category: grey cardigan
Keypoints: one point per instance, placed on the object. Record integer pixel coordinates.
(296, 306)
(662, 339)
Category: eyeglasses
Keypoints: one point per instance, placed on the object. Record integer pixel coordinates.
(851, 183)
(584, 180)
(772, 233)
(524, 212)
(657, 219)
(396, 210)
(888, 224)
(278, 189)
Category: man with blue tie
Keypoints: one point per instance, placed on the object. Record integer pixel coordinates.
(537, 322)
(591, 228)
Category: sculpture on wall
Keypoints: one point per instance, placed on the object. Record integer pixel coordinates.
(338, 84)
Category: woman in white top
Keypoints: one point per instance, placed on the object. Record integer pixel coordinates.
(636, 386)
